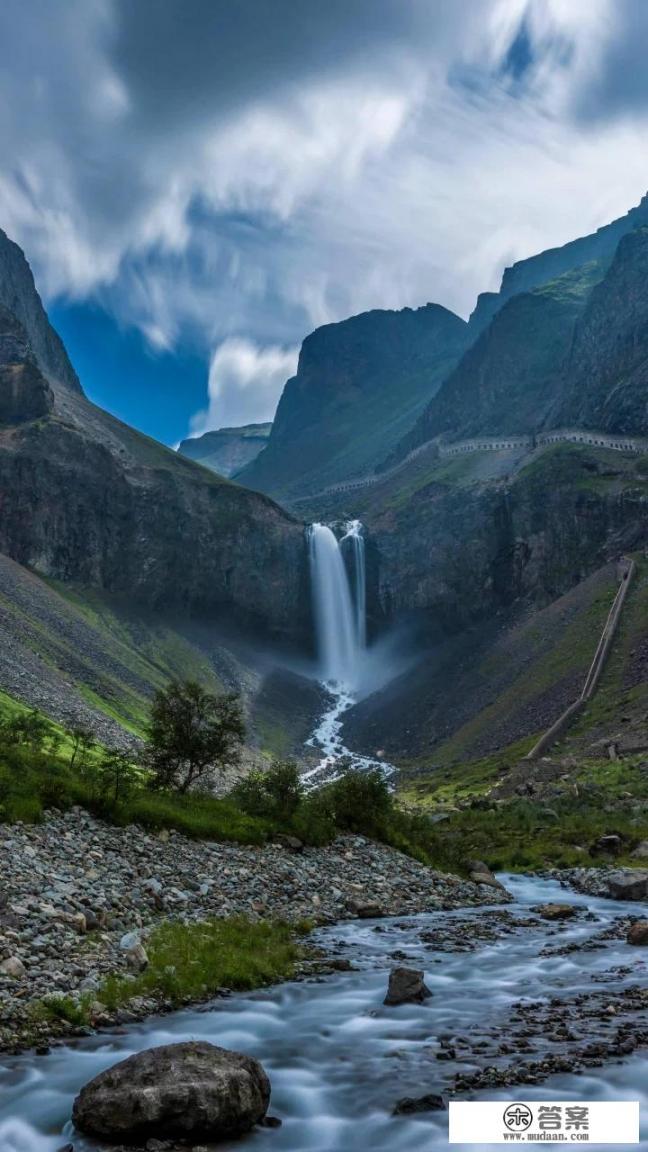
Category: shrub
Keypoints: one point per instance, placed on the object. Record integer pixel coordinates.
(275, 794)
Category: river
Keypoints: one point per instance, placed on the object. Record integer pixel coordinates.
(338, 1059)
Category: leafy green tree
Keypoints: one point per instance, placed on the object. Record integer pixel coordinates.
(30, 728)
(82, 743)
(116, 776)
(191, 732)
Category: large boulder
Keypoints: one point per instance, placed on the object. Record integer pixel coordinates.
(629, 885)
(194, 1090)
(406, 986)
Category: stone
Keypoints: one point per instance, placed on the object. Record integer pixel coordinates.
(190, 1090)
(641, 851)
(431, 1102)
(555, 911)
(13, 966)
(480, 873)
(290, 843)
(628, 885)
(137, 957)
(638, 933)
(406, 986)
(610, 845)
(369, 911)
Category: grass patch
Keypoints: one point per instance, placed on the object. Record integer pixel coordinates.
(189, 962)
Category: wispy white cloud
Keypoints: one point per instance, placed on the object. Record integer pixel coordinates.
(245, 383)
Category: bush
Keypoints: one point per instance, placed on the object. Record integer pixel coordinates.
(360, 802)
(275, 794)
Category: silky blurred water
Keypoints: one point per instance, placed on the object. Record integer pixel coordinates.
(337, 1058)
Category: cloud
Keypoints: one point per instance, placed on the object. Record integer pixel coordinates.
(222, 172)
(245, 383)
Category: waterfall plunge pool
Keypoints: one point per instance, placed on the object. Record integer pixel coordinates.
(338, 1059)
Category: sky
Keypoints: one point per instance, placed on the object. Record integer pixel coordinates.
(198, 184)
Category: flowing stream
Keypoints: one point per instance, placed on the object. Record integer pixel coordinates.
(340, 615)
(338, 1059)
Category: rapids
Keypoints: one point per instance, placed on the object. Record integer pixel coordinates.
(337, 1058)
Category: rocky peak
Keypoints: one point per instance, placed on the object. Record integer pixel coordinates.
(525, 275)
(19, 296)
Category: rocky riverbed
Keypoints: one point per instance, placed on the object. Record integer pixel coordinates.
(77, 897)
(526, 1003)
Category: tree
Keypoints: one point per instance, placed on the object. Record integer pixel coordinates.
(116, 776)
(28, 728)
(190, 732)
(82, 741)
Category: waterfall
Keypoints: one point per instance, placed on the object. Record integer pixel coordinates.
(335, 617)
(341, 632)
(354, 534)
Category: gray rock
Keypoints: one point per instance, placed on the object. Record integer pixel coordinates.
(629, 885)
(194, 1090)
(407, 986)
(137, 957)
(431, 1102)
(13, 966)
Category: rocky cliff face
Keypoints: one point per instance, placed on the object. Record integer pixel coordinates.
(24, 391)
(84, 498)
(227, 450)
(19, 296)
(360, 386)
(512, 378)
(607, 375)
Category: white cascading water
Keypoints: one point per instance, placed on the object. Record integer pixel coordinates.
(354, 533)
(341, 632)
(335, 619)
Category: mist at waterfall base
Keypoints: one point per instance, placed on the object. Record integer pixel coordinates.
(348, 668)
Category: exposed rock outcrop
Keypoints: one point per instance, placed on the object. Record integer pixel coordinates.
(24, 392)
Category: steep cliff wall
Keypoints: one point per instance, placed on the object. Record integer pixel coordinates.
(360, 386)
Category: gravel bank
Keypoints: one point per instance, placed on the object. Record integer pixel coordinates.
(72, 888)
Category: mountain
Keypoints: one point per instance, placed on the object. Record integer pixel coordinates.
(85, 499)
(19, 296)
(598, 247)
(227, 450)
(360, 386)
(607, 374)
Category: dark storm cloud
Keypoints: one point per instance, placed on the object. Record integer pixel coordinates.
(224, 176)
(181, 58)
